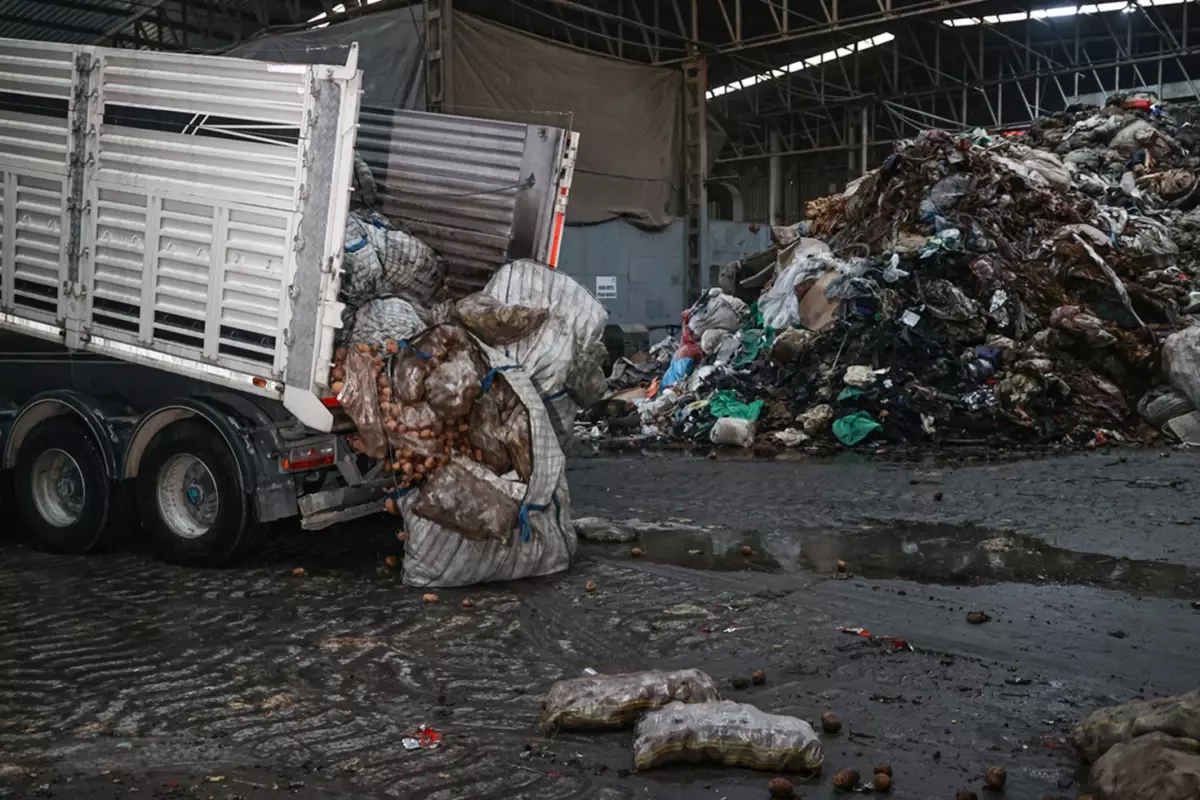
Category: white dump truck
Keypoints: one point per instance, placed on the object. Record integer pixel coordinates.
(171, 243)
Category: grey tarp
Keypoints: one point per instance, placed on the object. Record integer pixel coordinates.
(390, 53)
(628, 115)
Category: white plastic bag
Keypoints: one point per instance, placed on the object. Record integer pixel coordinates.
(727, 733)
(548, 355)
(614, 701)
(717, 311)
(733, 432)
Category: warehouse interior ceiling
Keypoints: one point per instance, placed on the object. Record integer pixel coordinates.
(836, 81)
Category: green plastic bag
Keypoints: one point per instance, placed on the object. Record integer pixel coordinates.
(849, 393)
(725, 404)
(754, 341)
(853, 428)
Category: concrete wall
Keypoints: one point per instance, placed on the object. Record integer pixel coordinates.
(648, 265)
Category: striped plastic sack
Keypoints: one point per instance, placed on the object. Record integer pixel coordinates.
(378, 321)
(361, 268)
(614, 701)
(560, 347)
(543, 540)
(729, 734)
(411, 269)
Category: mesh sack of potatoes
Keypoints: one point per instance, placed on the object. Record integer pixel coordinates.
(614, 701)
(729, 734)
(476, 470)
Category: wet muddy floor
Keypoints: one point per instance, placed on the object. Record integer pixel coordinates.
(121, 677)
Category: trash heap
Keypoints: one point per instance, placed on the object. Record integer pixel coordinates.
(463, 404)
(1010, 290)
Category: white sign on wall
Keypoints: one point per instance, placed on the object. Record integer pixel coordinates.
(606, 287)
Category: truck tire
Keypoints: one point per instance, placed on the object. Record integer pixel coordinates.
(193, 509)
(63, 497)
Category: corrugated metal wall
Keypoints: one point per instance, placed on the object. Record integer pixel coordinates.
(463, 185)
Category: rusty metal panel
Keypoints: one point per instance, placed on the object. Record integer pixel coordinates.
(475, 190)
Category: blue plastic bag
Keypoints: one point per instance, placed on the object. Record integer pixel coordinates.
(680, 368)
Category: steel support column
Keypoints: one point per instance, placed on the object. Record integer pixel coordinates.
(439, 37)
(695, 165)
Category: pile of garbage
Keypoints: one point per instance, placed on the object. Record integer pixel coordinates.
(464, 404)
(1021, 289)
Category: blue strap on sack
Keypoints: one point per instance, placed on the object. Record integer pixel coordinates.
(404, 344)
(523, 519)
(491, 376)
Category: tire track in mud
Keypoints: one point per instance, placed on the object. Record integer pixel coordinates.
(330, 671)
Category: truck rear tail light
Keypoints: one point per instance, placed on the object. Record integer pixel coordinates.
(307, 457)
(331, 402)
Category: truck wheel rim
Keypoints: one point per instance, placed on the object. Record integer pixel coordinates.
(188, 500)
(58, 488)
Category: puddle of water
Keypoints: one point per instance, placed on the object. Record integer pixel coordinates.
(946, 554)
(935, 554)
(717, 550)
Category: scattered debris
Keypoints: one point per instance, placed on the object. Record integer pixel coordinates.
(739, 682)
(430, 597)
(590, 586)
(390, 562)
(468, 603)
(298, 572)
(995, 778)
(603, 531)
(637, 552)
(898, 644)
(758, 677)
(781, 788)
(882, 782)
(425, 738)
(830, 723)
(846, 780)
(747, 550)
(977, 617)
(883, 769)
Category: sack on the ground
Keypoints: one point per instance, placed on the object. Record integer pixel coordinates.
(497, 323)
(733, 432)
(470, 500)
(1152, 767)
(1181, 362)
(613, 701)
(1178, 716)
(542, 540)
(729, 734)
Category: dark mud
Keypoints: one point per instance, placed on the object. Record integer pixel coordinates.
(926, 553)
(120, 674)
